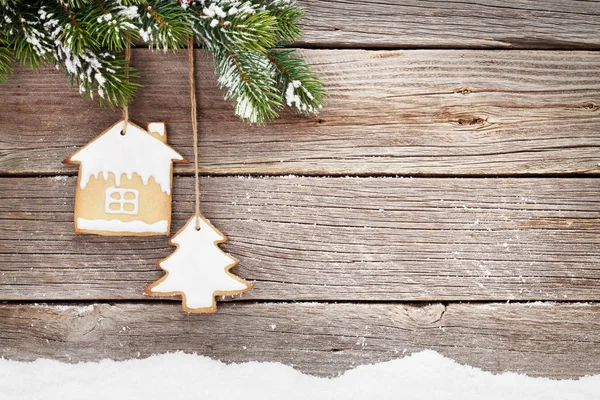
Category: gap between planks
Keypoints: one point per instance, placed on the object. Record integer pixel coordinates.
(181, 174)
(233, 300)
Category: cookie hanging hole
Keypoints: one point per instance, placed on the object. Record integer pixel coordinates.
(122, 132)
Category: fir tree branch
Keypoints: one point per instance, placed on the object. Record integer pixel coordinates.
(76, 34)
(164, 24)
(244, 77)
(83, 37)
(74, 3)
(300, 88)
(242, 29)
(288, 17)
(104, 73)
(25, 35)
(6, 60)
(114, 22)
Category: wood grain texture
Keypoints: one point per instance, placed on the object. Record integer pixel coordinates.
(552, 340)
(415, 112)
(390, 112)
(520, 24)
(326, 239)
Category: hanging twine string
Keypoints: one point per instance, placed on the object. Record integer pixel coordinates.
(125, 107)
(194, 125)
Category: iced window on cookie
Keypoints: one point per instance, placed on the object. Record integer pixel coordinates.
(121, 201)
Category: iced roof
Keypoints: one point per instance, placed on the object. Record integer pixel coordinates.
(135, 152)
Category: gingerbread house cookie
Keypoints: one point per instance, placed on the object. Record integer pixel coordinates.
(125, 180)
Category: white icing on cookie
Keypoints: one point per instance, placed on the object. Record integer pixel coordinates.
(115, 225)
(123, 204)
(136, 152)
(198, 267)
(157, 127)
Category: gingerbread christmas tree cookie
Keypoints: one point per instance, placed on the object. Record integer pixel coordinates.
(198, 270)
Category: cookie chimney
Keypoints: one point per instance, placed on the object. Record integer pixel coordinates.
(158, 130)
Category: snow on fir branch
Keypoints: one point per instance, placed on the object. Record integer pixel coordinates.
(86, 39)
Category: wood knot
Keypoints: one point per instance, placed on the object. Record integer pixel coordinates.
(591, 106)
(471, 121)
(426, 315)
(464, 91)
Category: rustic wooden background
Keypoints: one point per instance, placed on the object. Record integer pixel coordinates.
(447, 198)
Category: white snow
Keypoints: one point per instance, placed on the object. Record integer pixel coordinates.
(209, 12)
(129, 12)
(244, 107)
(145, 35)
(100, 79)
(79, 309)
(425, 375)
(291, 97)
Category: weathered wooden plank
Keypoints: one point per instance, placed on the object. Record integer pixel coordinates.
(521, 24)
(553, 340)
(327, 239)
(390, 112)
